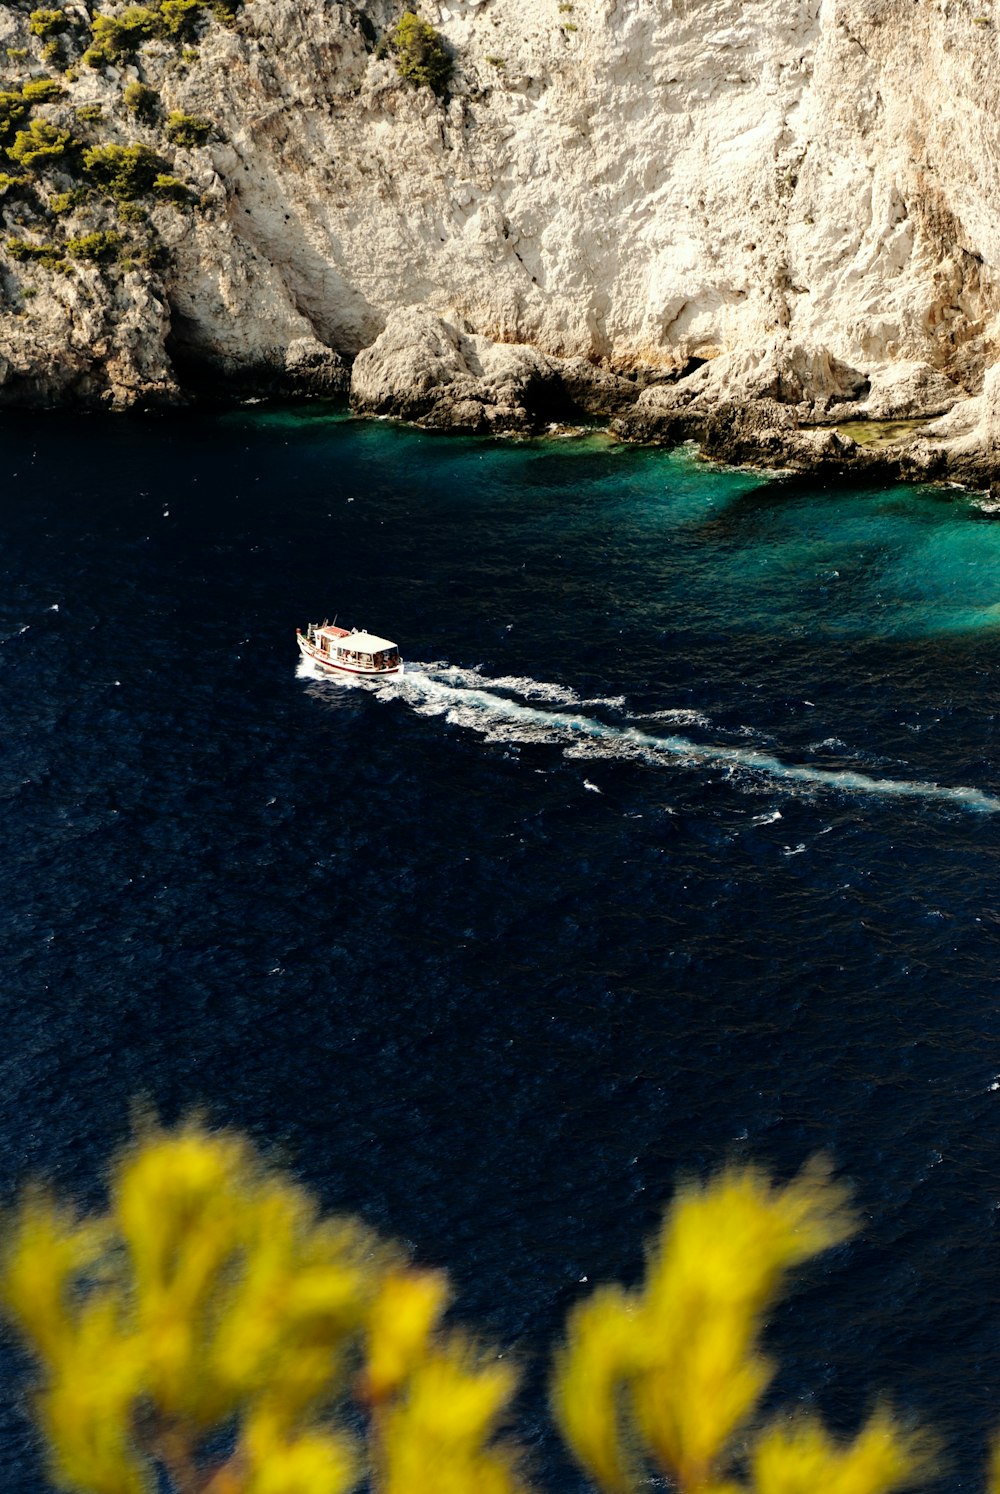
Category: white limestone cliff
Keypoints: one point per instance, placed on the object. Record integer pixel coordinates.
(792, 200)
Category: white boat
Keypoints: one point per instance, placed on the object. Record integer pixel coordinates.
(347, 650)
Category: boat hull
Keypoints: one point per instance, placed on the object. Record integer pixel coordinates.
(331, 666)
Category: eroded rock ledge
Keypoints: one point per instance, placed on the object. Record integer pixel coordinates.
(789, 407)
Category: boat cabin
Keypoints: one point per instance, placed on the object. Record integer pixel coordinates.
(349, 649)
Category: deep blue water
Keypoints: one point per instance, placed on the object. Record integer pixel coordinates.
(493, 955)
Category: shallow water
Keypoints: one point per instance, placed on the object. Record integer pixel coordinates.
(677, 840)
(880, 432)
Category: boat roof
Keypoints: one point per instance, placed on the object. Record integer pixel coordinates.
(366, 643)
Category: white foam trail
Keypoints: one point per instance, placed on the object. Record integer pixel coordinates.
(459, 695)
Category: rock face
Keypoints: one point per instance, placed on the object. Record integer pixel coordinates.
(437, 371)
(656, 211)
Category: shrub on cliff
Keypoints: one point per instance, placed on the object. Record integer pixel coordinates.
(40, 144)
(13, 186)
(48, 23)
(200, 1335)
(187, 129)
(99, 247)
(41, 90)
(171, 189)
(116, 38)
(23, 249)
(181, 18)
(142, 101)
(123, 172)
(65, 202)
(13, 111)
(420, 54)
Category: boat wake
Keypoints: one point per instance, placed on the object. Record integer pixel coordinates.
(512, 709)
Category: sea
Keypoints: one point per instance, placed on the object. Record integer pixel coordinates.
(676, 843)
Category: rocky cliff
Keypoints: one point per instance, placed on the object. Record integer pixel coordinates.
(744, 219)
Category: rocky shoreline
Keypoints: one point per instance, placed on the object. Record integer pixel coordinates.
(745, 224)
(905, 422)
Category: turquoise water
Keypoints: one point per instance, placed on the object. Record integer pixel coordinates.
(677, 840)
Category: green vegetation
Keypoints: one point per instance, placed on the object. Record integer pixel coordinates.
(39, 90)
(12, 186)
(420, 54)
(25, 250)
(123, 172)
(497, 61)
(181, 18)
(15, 106)
(40, 144)
(116, 38)
(99, 247)
(187, 129)
(142, 101)
(13, 111)
(48, 23)
(17, 54)
(172, 189)
(134, 177)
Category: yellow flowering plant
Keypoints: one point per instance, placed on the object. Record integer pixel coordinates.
(212, 1333)
(669, 1374)
(212, 1305)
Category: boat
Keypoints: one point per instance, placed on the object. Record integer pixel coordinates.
(347, 650)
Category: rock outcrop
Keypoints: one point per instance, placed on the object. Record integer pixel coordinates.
(438, 372)
(663, 213)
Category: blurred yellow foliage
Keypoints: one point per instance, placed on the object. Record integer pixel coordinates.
(205, 1335)
(434, 1436)
(213, 1299)
(802, 1457)
(403, 1315)
(993, 1485)
(669, 1373)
